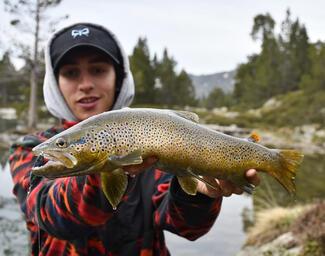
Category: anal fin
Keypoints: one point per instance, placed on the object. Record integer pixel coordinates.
(188, 184)
(114, 185)
(203, 180)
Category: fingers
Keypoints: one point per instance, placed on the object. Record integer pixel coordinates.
(252, 177)
(223, 188)
(228, 188)
(138, 168)
(207, 190)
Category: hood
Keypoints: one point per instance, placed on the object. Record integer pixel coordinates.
(53, 97)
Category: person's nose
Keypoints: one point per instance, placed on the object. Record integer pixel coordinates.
(86, 83)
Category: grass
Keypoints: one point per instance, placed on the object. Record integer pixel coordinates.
(310, 229)
(271, 223)
(295, 109)
(298, 108)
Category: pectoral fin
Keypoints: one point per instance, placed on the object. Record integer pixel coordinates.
(202, 179)
(188, 184)
(114, 185)
(129, 159)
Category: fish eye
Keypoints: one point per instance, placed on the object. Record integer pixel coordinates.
(61, 143)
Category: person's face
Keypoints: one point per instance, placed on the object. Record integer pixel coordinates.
(87, 81)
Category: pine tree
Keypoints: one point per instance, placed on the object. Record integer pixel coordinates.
(295, 59)
(314, 80)
(167, 76)
(143, 73)
(184, 90)
(157, 81)
(279, 67)
(7, 80)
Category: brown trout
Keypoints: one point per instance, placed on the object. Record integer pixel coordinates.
(106, 142)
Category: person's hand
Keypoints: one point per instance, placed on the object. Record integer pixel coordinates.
(226, 188)
(138, 168)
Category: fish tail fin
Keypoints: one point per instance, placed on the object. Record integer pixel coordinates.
(285, 172)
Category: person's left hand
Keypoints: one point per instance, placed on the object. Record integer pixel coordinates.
(226, 188)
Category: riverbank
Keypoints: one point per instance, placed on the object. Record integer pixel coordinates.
(294, 231)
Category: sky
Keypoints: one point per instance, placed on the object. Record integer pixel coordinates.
(203, 37)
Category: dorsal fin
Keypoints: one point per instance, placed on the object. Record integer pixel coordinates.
(254, 137)
(187, 115)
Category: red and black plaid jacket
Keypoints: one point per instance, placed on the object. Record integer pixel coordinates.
(70, 216)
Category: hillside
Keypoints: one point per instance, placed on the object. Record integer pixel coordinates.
(204, 84)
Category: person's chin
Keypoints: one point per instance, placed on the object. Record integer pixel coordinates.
(84, 114)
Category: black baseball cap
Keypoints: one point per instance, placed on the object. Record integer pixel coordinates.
(83, 34)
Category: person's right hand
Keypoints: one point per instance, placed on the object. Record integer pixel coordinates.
(227, 188)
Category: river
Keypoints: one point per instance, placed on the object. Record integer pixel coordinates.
(225, 238)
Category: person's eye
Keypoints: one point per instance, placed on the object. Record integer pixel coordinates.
(70, 73)
(98, 70)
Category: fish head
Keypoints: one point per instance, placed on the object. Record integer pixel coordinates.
(74, 152)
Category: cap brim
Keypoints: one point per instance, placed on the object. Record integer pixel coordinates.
(55, 65)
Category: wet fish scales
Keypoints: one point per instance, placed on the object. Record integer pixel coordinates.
(189, 150)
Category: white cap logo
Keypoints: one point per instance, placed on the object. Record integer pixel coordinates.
(80, 32)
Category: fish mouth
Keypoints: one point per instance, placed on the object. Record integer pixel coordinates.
(59, 163)
(56, 155)
(62, 164)
(56, 169)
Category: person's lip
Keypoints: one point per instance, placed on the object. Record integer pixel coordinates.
(88, 102)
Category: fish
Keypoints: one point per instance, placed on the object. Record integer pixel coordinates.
(107, 142)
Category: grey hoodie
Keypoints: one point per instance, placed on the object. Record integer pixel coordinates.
(53, 97)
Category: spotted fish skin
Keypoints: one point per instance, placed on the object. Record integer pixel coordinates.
(103, 143)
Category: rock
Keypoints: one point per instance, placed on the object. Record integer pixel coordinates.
(286, 244)
(271, 104)
(233, 130)
(223, 111)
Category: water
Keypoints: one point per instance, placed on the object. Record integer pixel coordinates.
(224, 239)
(5, 182)
(13, 233)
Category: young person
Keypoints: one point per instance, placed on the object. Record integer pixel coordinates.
(87, 73)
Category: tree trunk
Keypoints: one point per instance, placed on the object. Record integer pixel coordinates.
(32, 115)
